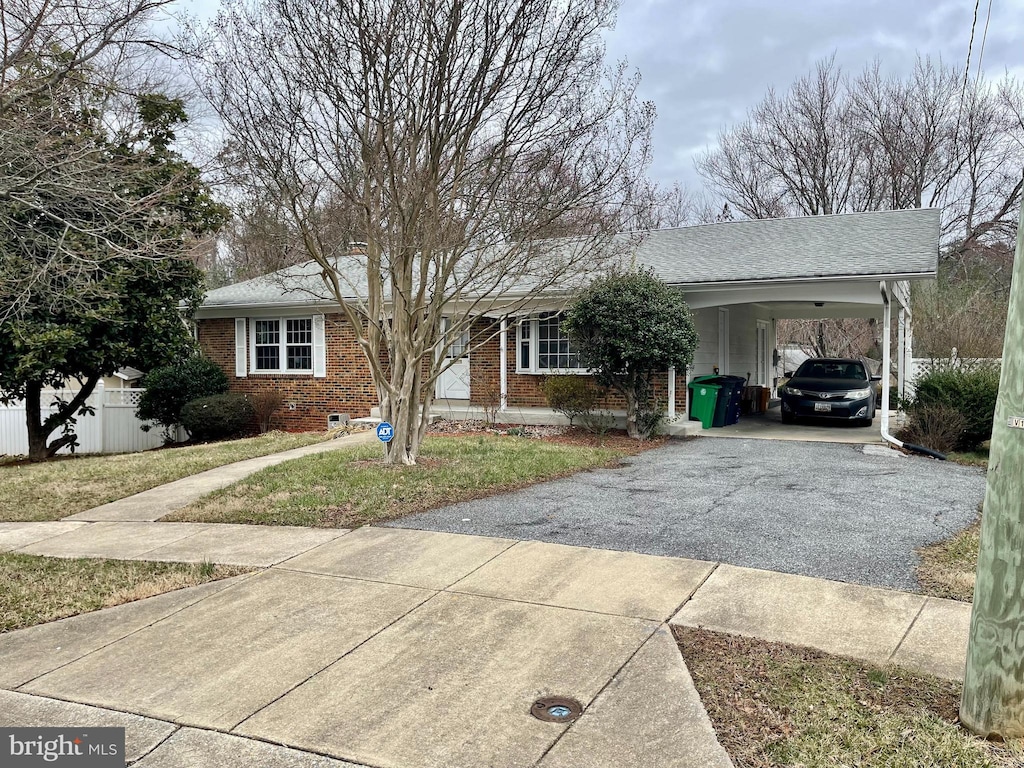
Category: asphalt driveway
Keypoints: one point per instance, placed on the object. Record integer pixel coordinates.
(817, 509)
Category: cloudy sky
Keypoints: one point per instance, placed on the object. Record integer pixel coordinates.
(705, 62)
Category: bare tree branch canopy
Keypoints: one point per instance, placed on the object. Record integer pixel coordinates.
(460, 132)
(835, 144)
(68, 98)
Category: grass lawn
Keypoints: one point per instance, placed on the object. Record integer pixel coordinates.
(54, 489)
(35, 589)
(777, 705)
(351, 486)
(978, 458)
(948, 567)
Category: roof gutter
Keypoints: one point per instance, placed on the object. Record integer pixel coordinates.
(812, 279)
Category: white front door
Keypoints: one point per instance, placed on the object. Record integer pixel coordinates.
(453, 384)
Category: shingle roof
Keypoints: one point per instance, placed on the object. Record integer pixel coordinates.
(874, 243)
(878, 243)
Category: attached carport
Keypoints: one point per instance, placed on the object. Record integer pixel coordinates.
(740, 279)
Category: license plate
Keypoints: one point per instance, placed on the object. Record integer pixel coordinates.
(826, 407)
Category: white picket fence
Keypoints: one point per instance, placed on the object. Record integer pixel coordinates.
(113, 428)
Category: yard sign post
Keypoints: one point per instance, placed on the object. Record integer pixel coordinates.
(993, 698)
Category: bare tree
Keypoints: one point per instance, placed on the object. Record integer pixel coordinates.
(460, 133)
(66, 97)
(834, 337)
(832, 144)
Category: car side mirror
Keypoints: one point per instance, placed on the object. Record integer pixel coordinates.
(788, 374)
(876, 378)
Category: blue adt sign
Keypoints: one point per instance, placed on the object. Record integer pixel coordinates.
(385, 432)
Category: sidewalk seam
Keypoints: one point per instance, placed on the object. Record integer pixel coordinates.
(907, 633)
(156, 746)
(693, 592)
(235, 580)
(596, 696)
(323, 669)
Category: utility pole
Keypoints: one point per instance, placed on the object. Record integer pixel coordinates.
(993, 697)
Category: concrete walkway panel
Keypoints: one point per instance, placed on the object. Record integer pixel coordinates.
(414, 558)
(217, 662)
(18, 535)
(191, 748)
(123, 541)
(151, 505)
(259, 546)
(649, 715)
(28, 653)
(141, 734)
(937, 643)
(622, 583)
(844, 619)
(452, 684)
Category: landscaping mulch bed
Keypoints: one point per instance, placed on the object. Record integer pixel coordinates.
(775, 705)
(616, 439)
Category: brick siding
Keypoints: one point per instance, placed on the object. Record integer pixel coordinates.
(347, 388)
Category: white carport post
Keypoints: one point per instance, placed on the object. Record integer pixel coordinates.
(901, 353)
(886, 362)
(503, 364)
(672, 393)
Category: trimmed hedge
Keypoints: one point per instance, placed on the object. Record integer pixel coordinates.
(219, 417)
(170, 387)
(972, 394)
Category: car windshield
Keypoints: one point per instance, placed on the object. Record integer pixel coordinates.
(832, 369)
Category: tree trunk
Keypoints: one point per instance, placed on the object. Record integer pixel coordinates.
(629, 393)
(34, 423)
(993, 694)
(39, 429)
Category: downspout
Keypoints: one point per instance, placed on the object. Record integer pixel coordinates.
(886, 364)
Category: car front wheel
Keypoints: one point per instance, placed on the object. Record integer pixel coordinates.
(788, 418)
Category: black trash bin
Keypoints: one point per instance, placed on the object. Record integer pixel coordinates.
(727, 408)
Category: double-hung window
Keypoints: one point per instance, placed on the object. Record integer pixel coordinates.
(283, 345)
(543, 346)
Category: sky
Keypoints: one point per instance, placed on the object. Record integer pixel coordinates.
(704, 63)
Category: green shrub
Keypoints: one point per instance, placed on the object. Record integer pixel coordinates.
(170, 387)
(972, 394)
(938, 427)
(571, 396)
(218, 417)
(265, 403)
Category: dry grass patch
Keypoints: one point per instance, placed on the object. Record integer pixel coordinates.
(776, 705)
(948, 567)
(54, 489)
(352, 486)
(35, 589)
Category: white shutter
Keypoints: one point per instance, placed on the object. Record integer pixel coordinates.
(319, 348)
(240, 347)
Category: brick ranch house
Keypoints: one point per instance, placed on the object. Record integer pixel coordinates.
(739, 278)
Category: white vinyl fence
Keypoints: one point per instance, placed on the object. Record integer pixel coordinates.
(922, 365)
(113, 428)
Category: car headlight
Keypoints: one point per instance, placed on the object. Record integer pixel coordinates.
(857, 394)
(794, 391)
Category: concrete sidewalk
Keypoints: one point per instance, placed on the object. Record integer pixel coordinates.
(153, 504)
(414, 649)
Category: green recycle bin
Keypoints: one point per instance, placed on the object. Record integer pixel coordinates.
(703, 398)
